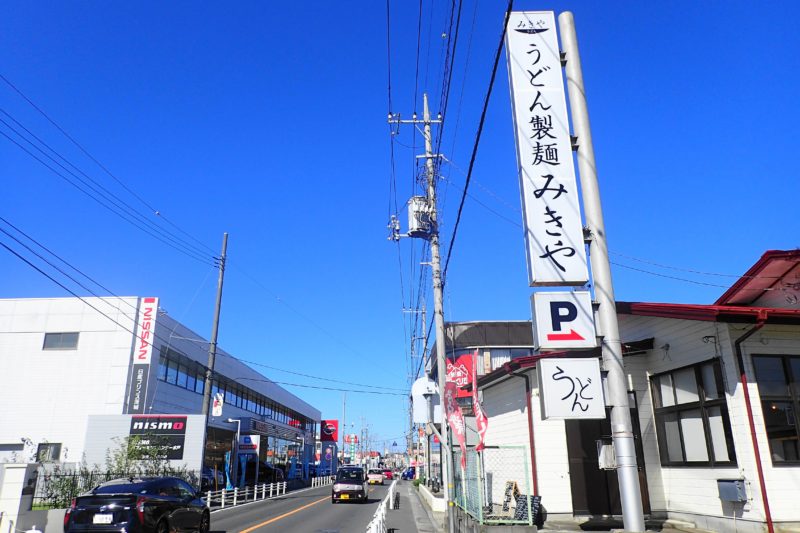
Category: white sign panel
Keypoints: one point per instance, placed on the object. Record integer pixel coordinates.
(563, 320)
(550, 203)
(142, 354)
(570, 388)
(249, 444)
(217, 403)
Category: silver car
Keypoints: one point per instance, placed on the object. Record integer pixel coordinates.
(350, 485)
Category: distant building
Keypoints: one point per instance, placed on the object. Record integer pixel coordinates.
(78, 373)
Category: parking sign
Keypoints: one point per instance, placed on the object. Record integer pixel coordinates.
(563, 320)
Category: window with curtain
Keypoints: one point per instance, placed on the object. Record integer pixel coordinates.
(691, 414)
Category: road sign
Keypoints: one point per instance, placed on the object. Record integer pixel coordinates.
(563, 320)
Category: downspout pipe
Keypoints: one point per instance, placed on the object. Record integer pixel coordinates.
(532, 446)
(743, 380)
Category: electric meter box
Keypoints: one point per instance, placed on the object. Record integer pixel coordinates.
(732, 490)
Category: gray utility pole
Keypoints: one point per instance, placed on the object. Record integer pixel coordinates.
(212, 347)
(621, 428)
(438, 306)
(343, 428)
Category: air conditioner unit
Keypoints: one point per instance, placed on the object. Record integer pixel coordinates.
(419, 217)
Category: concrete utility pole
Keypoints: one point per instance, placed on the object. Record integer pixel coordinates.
(438, 309)
(438, 306)
(212, 347)
(343, 429)
(621, 427)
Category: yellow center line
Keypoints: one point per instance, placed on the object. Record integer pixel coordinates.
(284, 515)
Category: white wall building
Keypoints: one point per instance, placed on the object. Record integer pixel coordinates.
(713, 389)
(67, 361)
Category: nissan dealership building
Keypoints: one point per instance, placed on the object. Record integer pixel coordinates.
(81, 374)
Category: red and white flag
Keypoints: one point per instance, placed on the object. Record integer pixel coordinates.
(480, 416)
(455, 418)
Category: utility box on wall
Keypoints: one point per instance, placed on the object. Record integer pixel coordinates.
(732, 490)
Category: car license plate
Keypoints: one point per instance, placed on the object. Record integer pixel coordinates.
(345, 496)
(102, 519)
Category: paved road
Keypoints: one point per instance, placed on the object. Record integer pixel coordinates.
(305, 511)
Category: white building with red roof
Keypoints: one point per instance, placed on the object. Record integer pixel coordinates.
(714, 392)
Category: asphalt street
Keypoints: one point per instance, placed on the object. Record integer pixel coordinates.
(304, 511)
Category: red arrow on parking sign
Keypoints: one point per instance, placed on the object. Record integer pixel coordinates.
(571, 336)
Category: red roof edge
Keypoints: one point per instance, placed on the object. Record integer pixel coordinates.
(711, 313)
(765, 259)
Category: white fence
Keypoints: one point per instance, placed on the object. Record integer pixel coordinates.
(378, 522)
(322, 481)
(237, 496)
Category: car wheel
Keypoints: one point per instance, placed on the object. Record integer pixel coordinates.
(163, 526)
(205, 523)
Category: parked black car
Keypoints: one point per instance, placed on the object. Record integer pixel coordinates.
(138, 505)
(266, 473)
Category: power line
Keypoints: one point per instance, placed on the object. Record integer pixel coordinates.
(122, 215)
(294, 310)
(313, 377)
(97, 189)
(673, 277)
(477, 138)
(98, 163)
(324, 388)
(133, 319)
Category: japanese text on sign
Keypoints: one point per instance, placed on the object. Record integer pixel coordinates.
(553, 230)
(571, 388)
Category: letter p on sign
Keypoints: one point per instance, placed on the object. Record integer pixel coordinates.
(563, 320)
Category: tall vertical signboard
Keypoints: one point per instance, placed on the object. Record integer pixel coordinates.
(550, 203)
(554, 237)
(142, 355)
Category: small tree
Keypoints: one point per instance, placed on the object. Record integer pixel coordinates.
(135, 455)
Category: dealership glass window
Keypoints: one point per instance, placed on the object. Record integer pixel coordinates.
(183, 376)
(60, 341)
(162, 368)
(778, 379)
(176, 370)
(692, 416)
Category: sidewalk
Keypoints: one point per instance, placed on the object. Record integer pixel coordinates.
(412, 516)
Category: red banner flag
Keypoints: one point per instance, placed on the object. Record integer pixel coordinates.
(480, 416)
(455, 418)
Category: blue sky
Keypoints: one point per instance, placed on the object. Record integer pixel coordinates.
(268, 121)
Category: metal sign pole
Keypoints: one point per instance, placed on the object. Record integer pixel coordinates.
(621, 428)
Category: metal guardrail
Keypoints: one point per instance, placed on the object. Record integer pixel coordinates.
(378, 522)
(237, 496)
